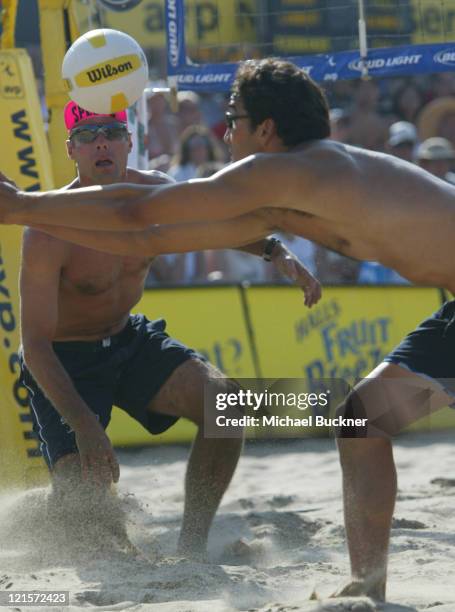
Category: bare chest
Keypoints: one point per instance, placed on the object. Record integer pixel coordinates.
(91, 273)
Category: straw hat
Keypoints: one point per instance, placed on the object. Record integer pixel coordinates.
(431, 115)
(435, 148)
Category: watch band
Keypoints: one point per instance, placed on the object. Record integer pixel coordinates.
(269, 248)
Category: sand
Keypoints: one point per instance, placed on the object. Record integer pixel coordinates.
(277, 537)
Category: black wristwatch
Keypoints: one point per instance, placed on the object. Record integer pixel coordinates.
(269, 248)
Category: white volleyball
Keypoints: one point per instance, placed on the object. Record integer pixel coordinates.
(105, 71)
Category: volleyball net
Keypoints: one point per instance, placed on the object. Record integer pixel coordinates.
(330, 39)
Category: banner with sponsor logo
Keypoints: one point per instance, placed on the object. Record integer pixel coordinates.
(24, 154)
(175, 39)
(390, 62)
(206, 23)
(20, 457)
(408, 59)
(344, 336)
(24, 157)
(211, 23)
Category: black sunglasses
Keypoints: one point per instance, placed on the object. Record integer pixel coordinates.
(85, 134)
(231, 118)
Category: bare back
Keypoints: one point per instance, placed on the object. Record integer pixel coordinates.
(374, 207)
(363, 204)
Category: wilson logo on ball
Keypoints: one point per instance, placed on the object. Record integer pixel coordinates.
(108, 71)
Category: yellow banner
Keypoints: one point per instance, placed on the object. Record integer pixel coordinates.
(211, 22)
(345, 336)
(434, 21)
(24, 157)
(21, 463)
(24, 154)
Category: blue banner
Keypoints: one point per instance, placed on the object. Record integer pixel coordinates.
(175, 36)
(389, 62)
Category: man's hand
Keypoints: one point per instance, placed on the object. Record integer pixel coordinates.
(291, 267)
(98, 461)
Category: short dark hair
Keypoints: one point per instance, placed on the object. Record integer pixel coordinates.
(279, 90)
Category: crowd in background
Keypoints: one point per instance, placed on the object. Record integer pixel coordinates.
(413, 119)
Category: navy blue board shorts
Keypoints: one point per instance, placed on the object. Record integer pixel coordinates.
(126, 370)
(430, 348)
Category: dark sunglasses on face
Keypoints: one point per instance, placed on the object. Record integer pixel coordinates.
(85, 134)
(231, 119)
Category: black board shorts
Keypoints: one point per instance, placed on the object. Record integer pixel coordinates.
(125, 370)
(429, 350)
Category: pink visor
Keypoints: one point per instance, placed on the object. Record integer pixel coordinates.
(74, 114)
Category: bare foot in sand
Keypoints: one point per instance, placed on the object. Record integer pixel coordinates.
(368, 587)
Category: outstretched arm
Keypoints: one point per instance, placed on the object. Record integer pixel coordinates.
(178, 238)
(256, 182)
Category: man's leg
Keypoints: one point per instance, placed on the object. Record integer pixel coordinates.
(369, 491)
(391, 398)
(212, 461)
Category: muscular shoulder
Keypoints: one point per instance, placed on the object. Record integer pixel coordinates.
(148, 177)
(295, 178)
(321, 164)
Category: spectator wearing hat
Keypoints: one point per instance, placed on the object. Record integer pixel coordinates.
(436, 155)
(402, 140)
